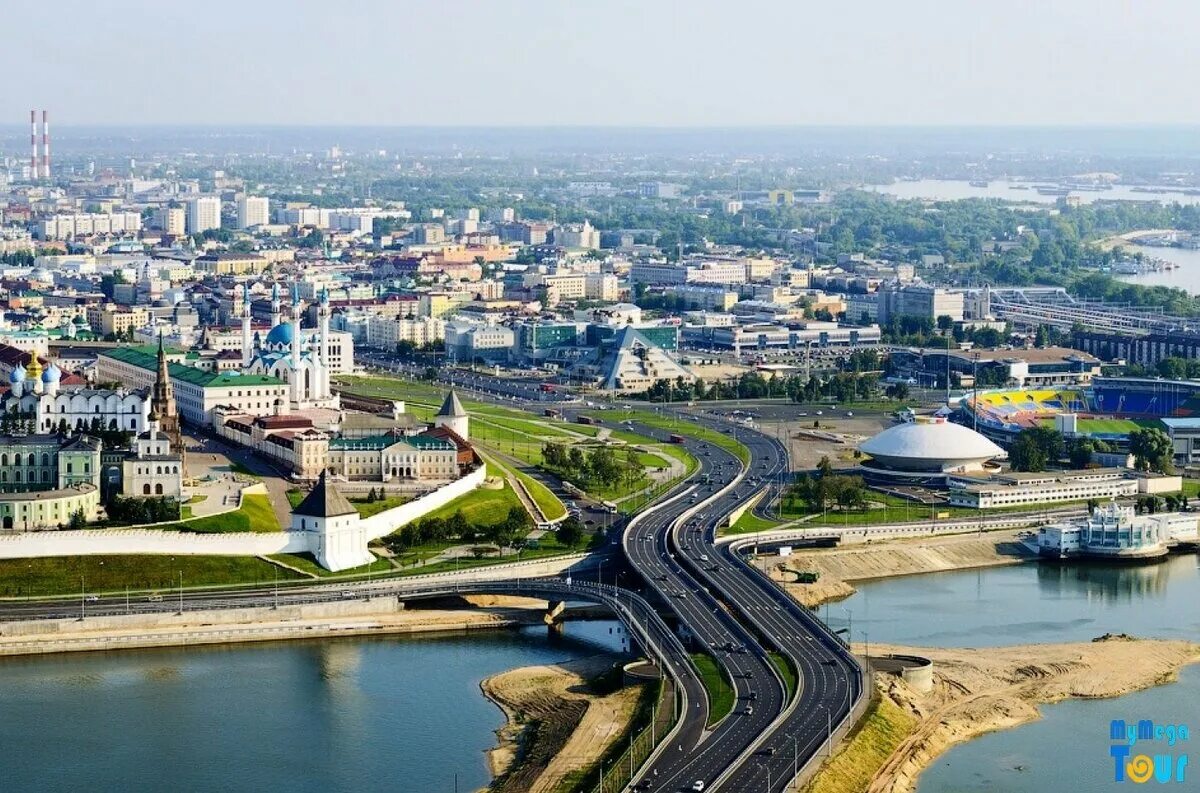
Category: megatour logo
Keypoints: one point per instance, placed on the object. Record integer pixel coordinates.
(1164, 767)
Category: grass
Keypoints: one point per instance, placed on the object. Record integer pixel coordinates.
(308, 563)
(690, 429)
(1109, 426)
(294, 496)
(481, 506)
(786, 672)
(651, 461)
(749, 523)
(877, 735)
(368, 508)
(60, 575)
(886, 508)
(546, 501)
(255, 514)
(720, 692)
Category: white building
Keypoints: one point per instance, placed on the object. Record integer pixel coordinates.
(340, 539)
(253, 211)
(203, 213)
(153, 470)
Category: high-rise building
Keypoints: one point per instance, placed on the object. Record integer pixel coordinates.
(203, 213)
(252, 211)
(172, 220)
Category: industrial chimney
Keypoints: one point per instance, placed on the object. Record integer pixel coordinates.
(33, 159)
(45, 145)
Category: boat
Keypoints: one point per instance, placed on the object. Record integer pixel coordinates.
(1055, 191)
(979, 183)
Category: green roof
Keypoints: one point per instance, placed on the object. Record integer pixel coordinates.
(189, 374)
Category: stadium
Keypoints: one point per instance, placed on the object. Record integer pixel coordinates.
(1107, 409)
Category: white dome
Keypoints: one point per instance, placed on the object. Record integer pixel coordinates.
(930, 446)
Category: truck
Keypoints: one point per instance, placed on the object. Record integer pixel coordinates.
(676, 438)
(550, 413)
(546, 388)
(586, 420)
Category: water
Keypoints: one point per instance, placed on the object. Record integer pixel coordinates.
(380, 714)
(1186, 276)
(1039, 603)
(952, 190)
(1028, 603)
(1068, 749)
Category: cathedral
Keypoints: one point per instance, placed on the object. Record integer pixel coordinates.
(301, 359)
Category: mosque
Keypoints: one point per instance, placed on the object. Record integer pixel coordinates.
(300, 359)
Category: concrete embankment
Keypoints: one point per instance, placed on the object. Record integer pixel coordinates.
(382, 615)
(838, 567)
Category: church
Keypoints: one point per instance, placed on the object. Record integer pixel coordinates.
(300, 359)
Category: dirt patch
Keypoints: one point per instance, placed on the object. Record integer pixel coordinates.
(839, 567)
(559, 720)
(978, 691)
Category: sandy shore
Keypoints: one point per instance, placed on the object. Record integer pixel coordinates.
(978, 691)
(556, 723)
(839, 567)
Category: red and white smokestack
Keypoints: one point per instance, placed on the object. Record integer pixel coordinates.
(45, 145)
(33, 159)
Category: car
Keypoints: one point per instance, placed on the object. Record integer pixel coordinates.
(820, 413)
(768, 751)
(704, 557)
(92, 598)
(698, 785)
(155, 598)
(749, 711)
(849, 414)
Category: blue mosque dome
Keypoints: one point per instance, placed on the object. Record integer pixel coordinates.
(52, 374)
(281, 334)
(18, 375)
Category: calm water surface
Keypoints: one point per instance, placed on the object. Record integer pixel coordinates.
(1186, 276)
(1068, 750)
(380, 714)
(952, 190)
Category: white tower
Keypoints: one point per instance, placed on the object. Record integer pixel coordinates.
(274, 305)
(297, 374)
(247, 352)
(453, 417)
(334, 530)
(323, 343)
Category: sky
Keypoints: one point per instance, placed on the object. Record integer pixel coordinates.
(603, 62)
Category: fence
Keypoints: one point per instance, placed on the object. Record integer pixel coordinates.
(617, 776)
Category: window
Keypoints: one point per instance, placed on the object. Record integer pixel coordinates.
(45, 476)
(32, 460)
(145, 490)
(68, 468)
(158, 491)
(45, 459)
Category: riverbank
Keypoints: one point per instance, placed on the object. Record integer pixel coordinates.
(839, 567)
(356, 617)
(560, 718)
(979, 691)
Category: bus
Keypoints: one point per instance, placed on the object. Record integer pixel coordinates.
(609, 507)
(676, 438)
(546, 388)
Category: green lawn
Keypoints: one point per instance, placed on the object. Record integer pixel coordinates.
(887, 508)
(749, 523)
(255, 514)
(786, 672)
(308, 563)
(238, 468)
(720, 692)
(688, 428)
(481, 506)
(1109, 426)
(870, 743)
(546, 501)
(60, 575)
(368, 508)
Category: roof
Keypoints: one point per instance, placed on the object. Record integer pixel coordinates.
(1189, 423)
(189, 374)
(324, 501)
(921, 444)
(452, 407)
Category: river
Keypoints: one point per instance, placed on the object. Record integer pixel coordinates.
(952, 190)
(1038, 603)
(1186, 276)
(379, 714)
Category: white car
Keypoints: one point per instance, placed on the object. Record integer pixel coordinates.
(698, 785)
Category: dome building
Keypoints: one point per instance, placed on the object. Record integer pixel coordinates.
(301, 359)
(924, 449)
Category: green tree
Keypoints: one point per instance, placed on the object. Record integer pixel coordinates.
(569, 532)
(1026, 454)
(1152, 450)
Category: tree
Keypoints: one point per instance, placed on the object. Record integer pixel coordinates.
(78, 520)
(1079, 451)
(569, 532)
(1152, 450)
(1025, 454)
(945, 322)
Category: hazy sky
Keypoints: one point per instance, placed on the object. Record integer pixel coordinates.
(618, 62)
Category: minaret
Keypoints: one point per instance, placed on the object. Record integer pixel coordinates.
(274, 304)
(323, 369)
(297, 375)
(247, 352)
(162, 401)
